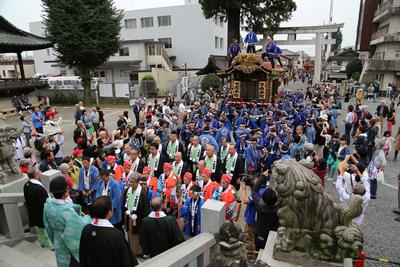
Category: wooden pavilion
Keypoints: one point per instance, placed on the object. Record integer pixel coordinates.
(14, 40)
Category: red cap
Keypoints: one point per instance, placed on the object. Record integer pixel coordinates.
(127, 164)
(167, 166)
(206, 172)
(146, 170)
(188, 175)
(227, 178)
(77, 151)
(110, 158)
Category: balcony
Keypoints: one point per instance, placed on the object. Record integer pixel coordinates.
(382, 65)
(383, 36)
(384, 10)
(156, 55)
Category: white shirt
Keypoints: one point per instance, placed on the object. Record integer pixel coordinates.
(343, 184)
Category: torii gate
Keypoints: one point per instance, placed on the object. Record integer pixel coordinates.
(318, 41)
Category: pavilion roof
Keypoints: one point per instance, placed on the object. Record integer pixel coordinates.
(13, 40)
(215, 63)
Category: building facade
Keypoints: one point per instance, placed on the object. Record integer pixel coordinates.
(336, 64)
(382, 58)
(9, 67)
(174, 37)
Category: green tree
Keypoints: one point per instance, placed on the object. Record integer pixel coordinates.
(352, 67)
(259, 13)
(210, 80)
(85, 34)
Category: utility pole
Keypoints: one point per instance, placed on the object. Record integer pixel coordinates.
(328, 47)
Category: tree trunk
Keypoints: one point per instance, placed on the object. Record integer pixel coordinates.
(233, 25)
(86, 78)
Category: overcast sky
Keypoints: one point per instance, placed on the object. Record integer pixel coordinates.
(309, 12)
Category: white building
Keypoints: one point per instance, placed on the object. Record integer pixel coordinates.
(163, 37)
(382, 62)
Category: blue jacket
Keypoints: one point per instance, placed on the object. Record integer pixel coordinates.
(251, 39)
(186, 213)
(223, 132)
(93, 180)
(208, 139)
(37, 119)
(343, 153)
(234, 49)
(115, 194)
(297, 149)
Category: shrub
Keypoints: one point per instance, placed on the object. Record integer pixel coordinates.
(210, 80)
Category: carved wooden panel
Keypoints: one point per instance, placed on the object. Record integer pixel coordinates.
(236, 90)
(261, 90)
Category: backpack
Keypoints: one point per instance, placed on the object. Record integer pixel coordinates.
(355, 117)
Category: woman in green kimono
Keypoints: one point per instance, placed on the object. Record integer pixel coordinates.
(63, 223)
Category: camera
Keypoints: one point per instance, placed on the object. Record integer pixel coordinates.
(248, 179)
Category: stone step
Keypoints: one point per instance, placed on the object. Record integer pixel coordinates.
(13, 258)
(35, 251)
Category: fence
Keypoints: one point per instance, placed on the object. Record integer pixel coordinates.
(107, 93)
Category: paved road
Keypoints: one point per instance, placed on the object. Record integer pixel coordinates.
(381, 232)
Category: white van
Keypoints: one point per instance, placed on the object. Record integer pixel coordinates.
(70, 83)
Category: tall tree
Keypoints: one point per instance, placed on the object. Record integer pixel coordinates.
(258, 13)
(85, 34)
(353, 67)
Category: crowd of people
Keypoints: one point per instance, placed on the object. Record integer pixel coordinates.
(146, 178)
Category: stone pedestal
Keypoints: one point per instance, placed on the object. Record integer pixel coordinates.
(212, 216)
(47, 176)
(267, 258)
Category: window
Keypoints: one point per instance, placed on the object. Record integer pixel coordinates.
(221, 43)
(48, 52)
(151, 66)
(130, 23)
(167, 42)
(151, 50)
(76, 73)
(102, 74)
(124, 51)
(63, 73)
(221, 23)
(147, 22)
(124, 73)
(164, 21)
(216, 40)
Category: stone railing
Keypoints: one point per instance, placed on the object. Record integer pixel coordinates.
(195, 251)
(382, 65)
(10, 218)
(13, 213)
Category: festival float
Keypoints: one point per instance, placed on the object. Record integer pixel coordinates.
(251, 79)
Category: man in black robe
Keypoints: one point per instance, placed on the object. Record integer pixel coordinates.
(136, 207)
(35, 196)
(101, 244)
(155, 160)
(233, 165)
(159, 232)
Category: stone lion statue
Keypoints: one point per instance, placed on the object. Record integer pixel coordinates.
(7, 151)
(311, 223)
